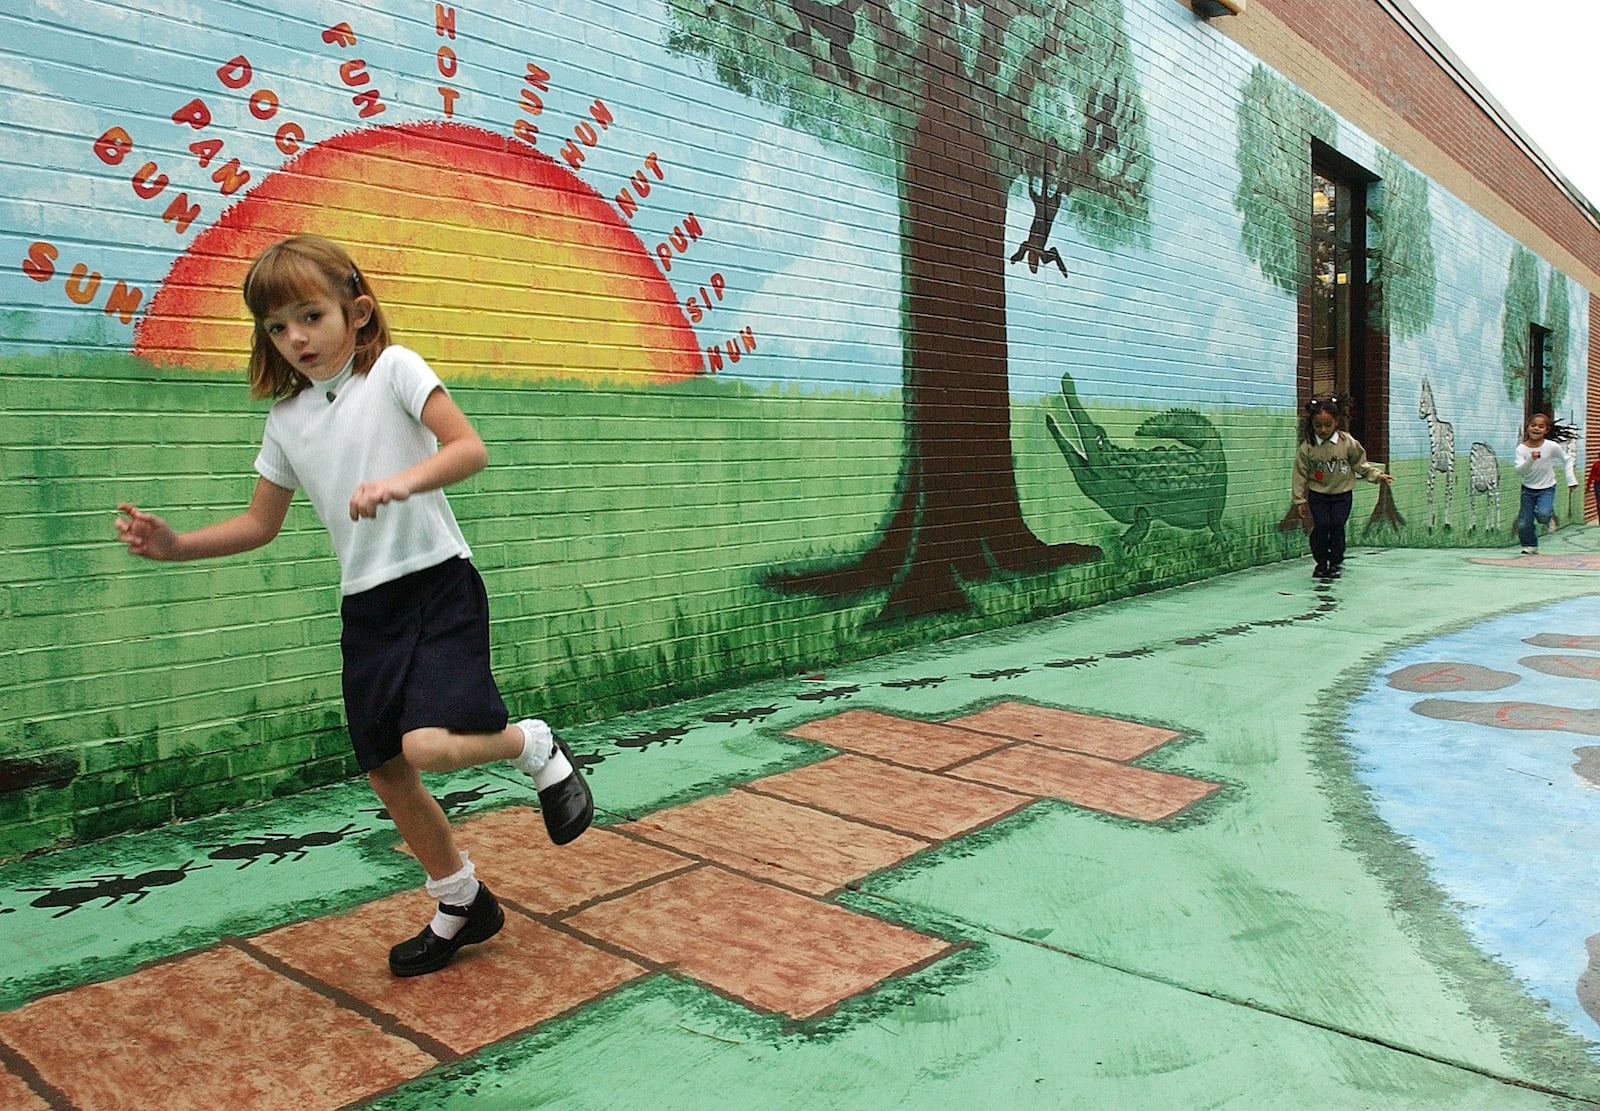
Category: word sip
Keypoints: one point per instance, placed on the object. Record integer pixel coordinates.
(693, 306)
(82, 284)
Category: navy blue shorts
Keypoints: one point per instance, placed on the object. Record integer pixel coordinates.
(416, 655)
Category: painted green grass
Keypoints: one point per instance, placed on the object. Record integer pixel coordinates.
(1281, 949)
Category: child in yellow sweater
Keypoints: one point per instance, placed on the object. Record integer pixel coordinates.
(1326, 466)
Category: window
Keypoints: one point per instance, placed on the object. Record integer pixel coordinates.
(1340, 352)
(1334, 253)
(1537, 399)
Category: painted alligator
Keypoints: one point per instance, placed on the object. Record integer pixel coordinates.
(1185, 486)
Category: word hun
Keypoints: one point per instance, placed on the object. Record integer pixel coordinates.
(583, 132)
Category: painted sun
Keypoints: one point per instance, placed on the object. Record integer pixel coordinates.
(490, 258)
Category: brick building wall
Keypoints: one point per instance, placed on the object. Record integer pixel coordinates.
(1370, 45)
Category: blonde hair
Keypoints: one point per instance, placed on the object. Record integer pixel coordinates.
(297, 269)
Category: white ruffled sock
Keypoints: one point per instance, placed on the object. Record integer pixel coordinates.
(537, 745)
(458, 889)
(540, 758)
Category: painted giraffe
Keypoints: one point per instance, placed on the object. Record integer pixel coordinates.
(1441, 453)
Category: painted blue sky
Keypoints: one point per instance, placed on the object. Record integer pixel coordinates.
(805, 237)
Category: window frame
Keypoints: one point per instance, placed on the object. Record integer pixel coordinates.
(1536, 391)
(1365, 362)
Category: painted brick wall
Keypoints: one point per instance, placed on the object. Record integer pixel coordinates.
(1591, 444)
(870, 368)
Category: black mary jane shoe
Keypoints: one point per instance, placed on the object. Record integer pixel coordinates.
(428, 952)
(1320, 572)
(568, 806)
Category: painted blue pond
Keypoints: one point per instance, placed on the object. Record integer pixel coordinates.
(1507, 826)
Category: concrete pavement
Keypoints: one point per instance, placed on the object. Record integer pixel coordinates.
(1259, 842)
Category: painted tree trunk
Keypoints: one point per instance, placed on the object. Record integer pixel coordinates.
(958, 517)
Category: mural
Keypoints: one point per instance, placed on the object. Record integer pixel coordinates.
(1076, 836)
(537, 235)
(797, 332)
(1484, 471)
(1404, 269)
(1483, 474)
(1277, 121)
(1507, 697)
(1441, 452)
(960, 103)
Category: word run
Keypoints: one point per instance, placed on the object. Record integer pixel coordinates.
(585, 133)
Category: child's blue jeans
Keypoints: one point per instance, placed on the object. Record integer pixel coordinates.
(1538, 506)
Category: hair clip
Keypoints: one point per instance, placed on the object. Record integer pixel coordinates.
(355, 279)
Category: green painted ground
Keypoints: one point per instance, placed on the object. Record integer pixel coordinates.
(1274, 948)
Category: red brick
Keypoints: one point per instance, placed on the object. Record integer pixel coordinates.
(917, 744)
(772, 949)
(1111, 738)
(1088, 781)
(913, 802)
(775, 840)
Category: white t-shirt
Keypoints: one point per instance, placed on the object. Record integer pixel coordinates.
(1540, 473)
(334, 436)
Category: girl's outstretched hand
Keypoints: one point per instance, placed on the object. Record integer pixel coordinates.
(145, 534)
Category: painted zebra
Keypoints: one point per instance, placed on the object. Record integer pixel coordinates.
(1484, 478)
(1441, 453)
